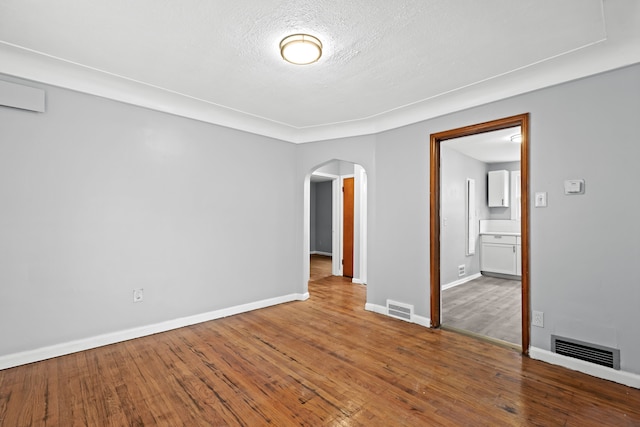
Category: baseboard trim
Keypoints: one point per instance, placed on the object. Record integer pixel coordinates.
(43, 353)
(381, 309)
(460, 282)
(357, 281)
(621, 377)
(321, 253)
(298, 297)
(375, 308)
(422, 321)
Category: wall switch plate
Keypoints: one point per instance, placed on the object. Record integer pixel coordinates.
(537, 319)
(541, 199)
(138, 295)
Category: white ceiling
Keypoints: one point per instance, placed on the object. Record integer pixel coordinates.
(385, 63)
(319, 178)
(488, 147)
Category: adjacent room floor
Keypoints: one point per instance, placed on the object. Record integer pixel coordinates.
(486, 306)
(319, 267)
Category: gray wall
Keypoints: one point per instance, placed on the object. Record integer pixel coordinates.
(100, 198)
(581, 246)
(501, 213)
(455, 169)
(321, 212)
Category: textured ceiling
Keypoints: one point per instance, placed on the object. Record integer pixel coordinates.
(385, 63)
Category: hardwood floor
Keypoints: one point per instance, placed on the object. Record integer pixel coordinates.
(486, 306)
(324, 361)
(319, 266)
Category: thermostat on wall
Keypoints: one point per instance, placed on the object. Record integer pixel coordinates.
(574, 186)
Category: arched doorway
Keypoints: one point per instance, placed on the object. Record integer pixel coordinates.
(331, 177)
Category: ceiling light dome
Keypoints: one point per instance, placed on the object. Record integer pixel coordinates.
(301, 49)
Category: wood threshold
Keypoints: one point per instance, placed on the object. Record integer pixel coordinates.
(481, 337)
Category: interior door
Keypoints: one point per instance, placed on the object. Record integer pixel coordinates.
(347, 221)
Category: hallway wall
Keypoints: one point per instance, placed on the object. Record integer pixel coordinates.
(455, 169)
(321, 217)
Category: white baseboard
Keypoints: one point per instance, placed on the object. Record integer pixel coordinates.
(621, 377)
(321, 253)
(381, 309)
(43, 353)
(357, 281)
(460, 282)
(300, 297)
(422, 321)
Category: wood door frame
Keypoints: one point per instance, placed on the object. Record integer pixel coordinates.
(521, 120)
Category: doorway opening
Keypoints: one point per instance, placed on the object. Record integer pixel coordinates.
(480, 277)
(336, 222)
(459, 237)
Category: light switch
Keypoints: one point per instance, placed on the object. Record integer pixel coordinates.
(541, 199)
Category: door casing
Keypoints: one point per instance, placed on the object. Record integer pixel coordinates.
(521, 120)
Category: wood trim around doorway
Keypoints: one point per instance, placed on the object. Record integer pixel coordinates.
(521, 120)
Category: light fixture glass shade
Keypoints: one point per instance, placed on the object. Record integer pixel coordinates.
(517, 138)
(301, 49)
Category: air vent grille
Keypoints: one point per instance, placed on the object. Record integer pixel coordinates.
(461, 270)
(399, 310)
(588, 352)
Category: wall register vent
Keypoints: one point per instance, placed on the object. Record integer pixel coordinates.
(588, 352)
(461, 270)
(399, 310)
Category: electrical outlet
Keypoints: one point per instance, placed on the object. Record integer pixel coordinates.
(138, 295)
(538, 319)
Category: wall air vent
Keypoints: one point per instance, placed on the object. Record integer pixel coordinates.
(399, 310)
(461, 270)
(588, 352)
(23, 97)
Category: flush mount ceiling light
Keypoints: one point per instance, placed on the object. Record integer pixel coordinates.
(301, 49)
(517, 138)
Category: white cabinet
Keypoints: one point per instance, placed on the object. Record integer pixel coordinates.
(501, 254)
(498, 189)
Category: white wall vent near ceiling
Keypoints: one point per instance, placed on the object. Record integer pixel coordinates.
(400, 310)
(588, 352)
(22, 97)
